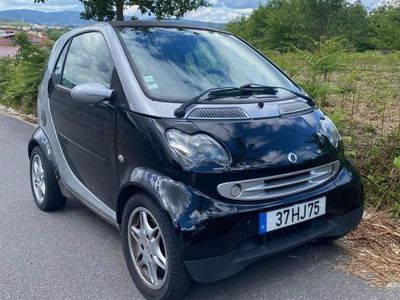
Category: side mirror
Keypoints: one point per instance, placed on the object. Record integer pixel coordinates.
(90, 93)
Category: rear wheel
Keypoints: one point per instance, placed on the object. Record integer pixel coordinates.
(45, 189)
(151, 252)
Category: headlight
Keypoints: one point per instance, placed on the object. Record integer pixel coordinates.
(198, 149)
(330, 131)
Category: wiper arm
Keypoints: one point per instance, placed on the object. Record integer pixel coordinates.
(246, 89)
(254, 87)
(211, 94)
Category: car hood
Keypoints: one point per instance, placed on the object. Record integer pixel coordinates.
(268, 143)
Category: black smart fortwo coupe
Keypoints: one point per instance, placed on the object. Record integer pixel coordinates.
(202, 152)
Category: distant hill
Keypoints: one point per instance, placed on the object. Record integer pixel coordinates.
(197, 23)
(62, 18)
(70, 18)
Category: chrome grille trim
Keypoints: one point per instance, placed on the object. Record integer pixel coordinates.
(280, 185)
(218, 113)
(294, 108)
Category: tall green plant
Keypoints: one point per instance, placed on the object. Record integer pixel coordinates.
(326, 59)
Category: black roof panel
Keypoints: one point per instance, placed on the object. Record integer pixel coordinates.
(161, 24)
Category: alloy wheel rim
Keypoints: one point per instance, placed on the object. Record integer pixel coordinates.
(147, 248)
(38, 180)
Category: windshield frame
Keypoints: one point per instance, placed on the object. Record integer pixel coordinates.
(118, 25)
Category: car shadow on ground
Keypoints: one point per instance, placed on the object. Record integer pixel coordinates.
(266, 278)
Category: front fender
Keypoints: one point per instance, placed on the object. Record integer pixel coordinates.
(171, 195)
(184, 205)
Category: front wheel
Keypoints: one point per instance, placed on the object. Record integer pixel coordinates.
(151, 252)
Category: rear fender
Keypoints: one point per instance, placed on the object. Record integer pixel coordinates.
(40, 139)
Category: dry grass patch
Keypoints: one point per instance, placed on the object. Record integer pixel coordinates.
(374, 250)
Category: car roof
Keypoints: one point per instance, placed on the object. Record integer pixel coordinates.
(161, 24)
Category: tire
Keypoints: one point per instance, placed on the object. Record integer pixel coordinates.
(174, 282)
(42, 170)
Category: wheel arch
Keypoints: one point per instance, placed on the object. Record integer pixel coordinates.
(40, 139)
(32, 144)
(127, 192)
(172, 196)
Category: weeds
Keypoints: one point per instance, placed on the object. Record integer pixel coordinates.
(360, 92)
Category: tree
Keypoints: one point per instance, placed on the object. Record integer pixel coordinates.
(100, 10)
(355, 27)
(55, 34)
(107, 10)
(384, 24)
(287, 24)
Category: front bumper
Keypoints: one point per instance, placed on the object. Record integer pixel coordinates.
(226, 265)
(219, 238)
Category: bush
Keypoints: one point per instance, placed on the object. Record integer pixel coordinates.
(20, 77)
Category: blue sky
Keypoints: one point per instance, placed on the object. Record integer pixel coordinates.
(221, 10)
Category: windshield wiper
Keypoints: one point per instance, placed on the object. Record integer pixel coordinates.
(216, 93)
(244, 90)
(260, 87)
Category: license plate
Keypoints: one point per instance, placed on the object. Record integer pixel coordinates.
(276, 219)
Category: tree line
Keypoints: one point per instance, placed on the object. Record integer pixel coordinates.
(108, 10)
(285, 25)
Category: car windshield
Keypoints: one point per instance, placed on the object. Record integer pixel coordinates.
(178, 64)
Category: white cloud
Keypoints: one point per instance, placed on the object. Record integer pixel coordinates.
(132, 11)
(217, 14)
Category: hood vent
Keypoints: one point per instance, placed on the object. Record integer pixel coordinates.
(294, 108)
(218, 113)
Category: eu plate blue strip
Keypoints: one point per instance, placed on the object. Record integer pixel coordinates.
(262, 223)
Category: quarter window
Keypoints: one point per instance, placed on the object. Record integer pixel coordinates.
(88, 60)
(59, 65)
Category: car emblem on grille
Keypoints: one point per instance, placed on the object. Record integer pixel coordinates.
(292, 157)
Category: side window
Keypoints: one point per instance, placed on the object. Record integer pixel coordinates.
(59, 65)
(88, 60)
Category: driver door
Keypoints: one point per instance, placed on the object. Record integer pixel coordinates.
(86, 132)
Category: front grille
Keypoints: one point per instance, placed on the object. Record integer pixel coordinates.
(276, 186)
(218, 113)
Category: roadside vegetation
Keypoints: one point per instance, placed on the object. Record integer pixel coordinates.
(20, 76)
(361, 94)
(348, 59)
